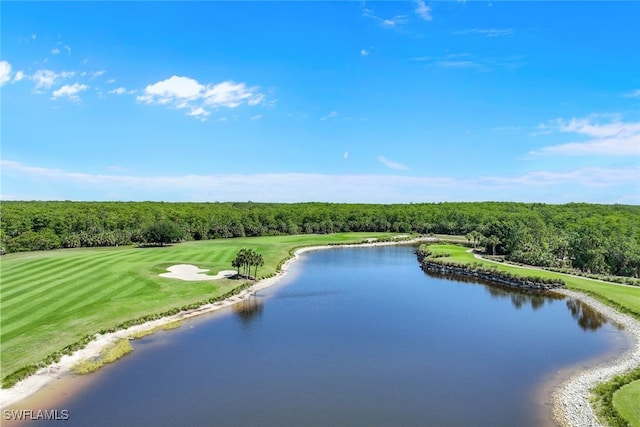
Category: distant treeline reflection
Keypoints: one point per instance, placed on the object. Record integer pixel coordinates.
(587, 318)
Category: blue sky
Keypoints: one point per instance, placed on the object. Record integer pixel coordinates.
(389, 102)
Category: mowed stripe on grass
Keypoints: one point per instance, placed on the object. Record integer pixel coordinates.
(52, 299)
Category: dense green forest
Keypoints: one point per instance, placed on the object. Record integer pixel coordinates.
(592, 238)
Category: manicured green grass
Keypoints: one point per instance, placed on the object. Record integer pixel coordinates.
(626, 298)
(627, 403)
(52, 299)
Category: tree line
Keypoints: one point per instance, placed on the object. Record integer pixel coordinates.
(593, 238)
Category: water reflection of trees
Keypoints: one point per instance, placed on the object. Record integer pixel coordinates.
(248, 310)
(518, 297)
(588, 318)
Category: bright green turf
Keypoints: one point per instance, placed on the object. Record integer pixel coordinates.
(51, 299)
(627, 403)
(627, 297)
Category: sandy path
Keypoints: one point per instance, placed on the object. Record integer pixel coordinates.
(54, 371)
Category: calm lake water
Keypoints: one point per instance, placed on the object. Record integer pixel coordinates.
(350, 337)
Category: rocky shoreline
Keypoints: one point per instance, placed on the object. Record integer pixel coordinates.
(571, 405)
(494, 277)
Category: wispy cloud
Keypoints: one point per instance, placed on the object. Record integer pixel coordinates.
(468, 61)
(603, 185)
(364, 52)
(487, 32)
(394, 22)
(331, 115)
(423, 11)
(55, 51)
(613, 138)
(187, 93)
(256, 117)
(391, 164)
(632, 94)
(121, 91)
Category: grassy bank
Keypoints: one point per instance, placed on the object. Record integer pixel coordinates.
(53, 299)
(627, 402)
(616, 402)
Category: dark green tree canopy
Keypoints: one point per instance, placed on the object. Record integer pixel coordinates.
(589, 237)
(161, 233)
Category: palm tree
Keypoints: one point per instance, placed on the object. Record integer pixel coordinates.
(493, 241)
(258, 262)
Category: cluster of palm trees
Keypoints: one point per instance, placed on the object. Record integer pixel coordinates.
(246, 259)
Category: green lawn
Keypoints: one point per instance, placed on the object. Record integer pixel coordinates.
(627, 403)
(625, 297)
(52, 299)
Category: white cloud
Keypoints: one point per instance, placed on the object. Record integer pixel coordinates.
(345, 155)
(423, 10)
(391, 164)
(5, 72)
(118, 91)
(68, 49)
(598, 185)
(256, 117)
(55, 51)
(184, 92)
(44, 79)
(615, 138)
(231, 95)
(199, 113)
(364, 52)
(331, 115)
(111, 81)
(98, 73)
(172, 89)
(69, 91)
(19, 76)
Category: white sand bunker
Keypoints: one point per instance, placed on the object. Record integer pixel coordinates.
(191, 273)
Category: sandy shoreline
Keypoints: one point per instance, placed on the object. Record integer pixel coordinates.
(35, 382)
(571, 400)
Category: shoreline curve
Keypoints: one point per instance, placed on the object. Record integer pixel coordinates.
(571, 405)
(54, 371)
